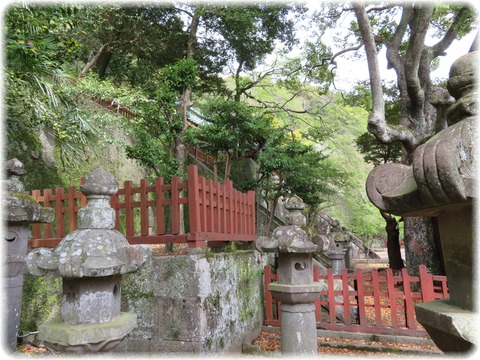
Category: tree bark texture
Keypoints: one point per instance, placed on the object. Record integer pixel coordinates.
(420, 247)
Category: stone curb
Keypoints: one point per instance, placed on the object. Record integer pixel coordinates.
(408, 340)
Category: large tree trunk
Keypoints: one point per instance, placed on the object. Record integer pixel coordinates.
(185, 104)
(102, 63)
(393, 242)
(413, 80)
(420, 247)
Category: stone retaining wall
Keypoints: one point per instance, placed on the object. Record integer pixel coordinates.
(206, 303)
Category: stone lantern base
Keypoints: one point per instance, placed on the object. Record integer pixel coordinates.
(452, 328)
(86, 338)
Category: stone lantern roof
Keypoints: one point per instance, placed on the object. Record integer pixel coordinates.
(291, 238)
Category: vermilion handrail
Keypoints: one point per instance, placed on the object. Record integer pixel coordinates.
(151, 214)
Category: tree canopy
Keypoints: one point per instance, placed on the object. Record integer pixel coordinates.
(232, 63)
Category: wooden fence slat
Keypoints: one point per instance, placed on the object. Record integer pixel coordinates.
(346, 297)
(331, 297)
(194, 204)
(392, 298)
(426, 283)
(59, 216)
(36, 228)
(159, 206)
(129, 214)
(218, 213)
(143, 207)
(251, 195)
(72, 204)
(376, 297)
(210, 212)
(243, 217)
(234, 212)
(175, 207)
(409, 308)
(360, 298)
(203, 201)
(47, 202)
(229, 209)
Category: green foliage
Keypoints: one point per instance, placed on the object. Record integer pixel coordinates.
(444, 14)
(251, 32)
(288, 166)
(36, 82)
(232, 128)
(373, 151)
(376, 153)
(181, 75)
(41, 299)
(159, 123)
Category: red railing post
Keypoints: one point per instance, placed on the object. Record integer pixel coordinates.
(60, 220)
(409, 309)
(218, 213)
(210, 213)
(144, 207)
(251, 201)
(193, 205)
(72, 208)
(360, 298)
(376, 298)
(129, 223)
(426, 283)
(331, 297)
(346, 298)
(175, 205)
(47, 202)
(392, 298)
(159, 206)
(36, 228)
(229, 202)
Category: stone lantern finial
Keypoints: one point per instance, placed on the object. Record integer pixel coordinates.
(295, 206)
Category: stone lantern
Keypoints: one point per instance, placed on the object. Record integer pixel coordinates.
(442, 182)
(19, 210)
(336, 255)
(91, 261)
(295, 287)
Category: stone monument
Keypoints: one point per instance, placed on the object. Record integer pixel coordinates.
(441, 182)
(91, 261)
(295, 287)
(19, 210)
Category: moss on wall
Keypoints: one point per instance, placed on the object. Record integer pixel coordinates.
(40, 301)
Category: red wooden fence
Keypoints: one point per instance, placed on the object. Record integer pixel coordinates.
(115, 107)
(382, 304)
(215, 213)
